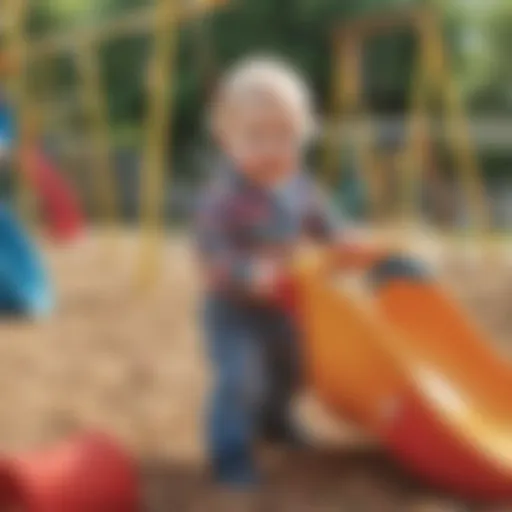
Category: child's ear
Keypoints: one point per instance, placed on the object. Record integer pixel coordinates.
(219, 136)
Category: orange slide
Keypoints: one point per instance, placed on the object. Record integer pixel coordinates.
(408, 366)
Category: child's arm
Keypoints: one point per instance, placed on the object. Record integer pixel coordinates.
(355, 254)
(326, 225)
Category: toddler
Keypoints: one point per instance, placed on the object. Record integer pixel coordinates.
(251, 215)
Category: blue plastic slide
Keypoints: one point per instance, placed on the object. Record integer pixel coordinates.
(24, 286)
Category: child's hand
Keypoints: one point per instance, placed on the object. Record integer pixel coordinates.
(357, 254)
(267, 277)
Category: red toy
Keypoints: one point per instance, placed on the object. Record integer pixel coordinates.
(86, 474)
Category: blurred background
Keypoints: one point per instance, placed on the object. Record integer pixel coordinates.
(476, 40)
(103, 125)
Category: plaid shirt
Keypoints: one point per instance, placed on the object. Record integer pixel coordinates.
(238, 221)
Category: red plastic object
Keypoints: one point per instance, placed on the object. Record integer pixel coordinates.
(424, 444)
(86, 474)
(60, 203)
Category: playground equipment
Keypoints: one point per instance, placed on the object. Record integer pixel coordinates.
(405, 362)
(84, 474)
(82, 44)
(90, 473)
(432, 81)
(24, 287)
(407, 365)
(19, 137)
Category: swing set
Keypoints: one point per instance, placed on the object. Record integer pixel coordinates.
(161, 20)
(414, 159)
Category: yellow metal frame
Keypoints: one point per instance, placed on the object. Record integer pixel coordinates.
(432, 74)
(16, 56)
(162, 19)
(88, 64)
(157, 132)
(135, 22)
(160, 70)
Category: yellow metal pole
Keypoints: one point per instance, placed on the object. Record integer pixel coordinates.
(344, 90)
(413, 162)
(134, 23)
(349, 100)
(157, 133)
(367, 162)
(49, 108)
(459, 135)
(17, 12)
(433, 74)
(87, 59)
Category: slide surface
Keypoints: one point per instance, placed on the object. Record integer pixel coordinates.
(407, 365)
(24, 287)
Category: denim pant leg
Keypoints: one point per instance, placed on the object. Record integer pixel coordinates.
(237, 395)
(283, 363)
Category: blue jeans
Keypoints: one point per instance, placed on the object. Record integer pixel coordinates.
(254, 351)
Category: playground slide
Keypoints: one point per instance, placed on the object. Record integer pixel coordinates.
(59, 202)
(408, 366)
(24, 287)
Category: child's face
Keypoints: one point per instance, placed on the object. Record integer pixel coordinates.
(263, 139)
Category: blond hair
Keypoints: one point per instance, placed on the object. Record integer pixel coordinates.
(265, 76)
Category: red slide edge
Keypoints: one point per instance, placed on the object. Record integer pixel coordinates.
(420, 439)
